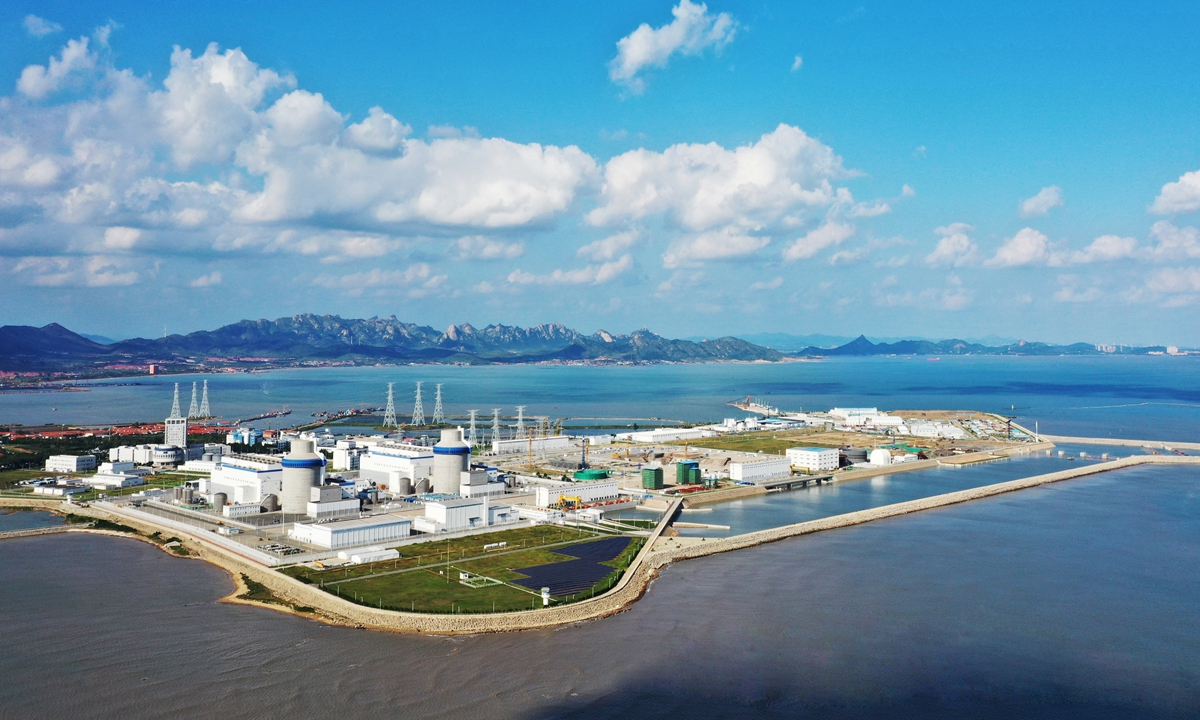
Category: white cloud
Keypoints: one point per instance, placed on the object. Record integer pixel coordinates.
(954, 296)
(213, 278)
(868, 210)
(955, 248)
(302, 118)
(1106, 247)
(210, 103)
(907, 191)
(478, 247)
(379, 132)
(40, 27)
(1172, 242)
(797, 63)
(22, 167)
(609, 247)
(831, 233)
(450, 131)
(589, 275)
(1046, 200)
(691, 32)
(1027, 247)
(1069, 291)
(715, 245)
(417, 279)
(94, 271)
(38, 81)
(700, 187)
(366, 246)
(766, 285)
(121, 238)
(1181, 196)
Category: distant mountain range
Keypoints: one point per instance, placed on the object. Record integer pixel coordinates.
(791, 343)
(306, 338)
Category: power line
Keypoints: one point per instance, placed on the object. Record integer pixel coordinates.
(418, 417)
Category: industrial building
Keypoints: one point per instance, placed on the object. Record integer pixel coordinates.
(397, 467)
(328, 501)
(537, 444)
(661, 435)
(477, 483)
(246, 478)
(586, 493)
(112, 481)
(687, 472)
(70, 463)
(879, 456)
(245, 436)
(303, 469)
(353, 533)
(813, 459)
(652, 478)
(759, 470)
(464, 514)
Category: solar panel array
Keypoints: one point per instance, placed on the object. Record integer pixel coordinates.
(573, 576)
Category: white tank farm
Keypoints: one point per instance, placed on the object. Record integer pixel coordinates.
(303, 469)
(450, 457)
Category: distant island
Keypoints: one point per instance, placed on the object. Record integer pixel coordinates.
(323, 340)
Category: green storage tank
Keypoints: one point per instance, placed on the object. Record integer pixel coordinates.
(694, 477)
(591, 474)
(652, 478)
(683, 471)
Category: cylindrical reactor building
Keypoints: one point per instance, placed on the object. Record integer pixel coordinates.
(303, 469)
(450, 457)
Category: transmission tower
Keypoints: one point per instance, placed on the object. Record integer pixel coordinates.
(205, 411)
(520, 420)
(389, 413)
(471, 429)
(438, 416)
(495, 425)
(175, 404)
(194, 408)
(418, 409)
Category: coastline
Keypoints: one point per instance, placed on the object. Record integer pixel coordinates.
(658, 552)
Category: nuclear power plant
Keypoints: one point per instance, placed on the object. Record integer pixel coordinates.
(303, 469)
(451, 457)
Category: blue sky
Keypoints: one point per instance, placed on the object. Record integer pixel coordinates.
(888, 168)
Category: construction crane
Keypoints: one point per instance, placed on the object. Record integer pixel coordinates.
(567, 503)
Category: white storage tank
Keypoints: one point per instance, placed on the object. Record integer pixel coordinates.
(879, 456)
(303, 469)
(451, 456)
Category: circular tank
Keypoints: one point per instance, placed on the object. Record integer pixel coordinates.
(853, 456)
(303, 469)
(270, 503)
(405, 487)
(207, 457)
(422, 486)
(591, 474)
(219, 500)
(188, 496)
(451, 456)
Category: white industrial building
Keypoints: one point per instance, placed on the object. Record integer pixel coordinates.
(246, 478)
(476, 484)
(70, 463)
(813, 459)
(587, 492)
(760, 470)
(352, 533)
(60, 490)
(539, 444)
(660, 435)
(347, 454)
(539, 515)
(238, 510)
(933, 429)
(111, 481)
(369, 555)
(464, 514)
(329, 501)
(397, 467)
(175, 432)
(879, 456)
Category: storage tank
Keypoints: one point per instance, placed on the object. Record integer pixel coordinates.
(879, 456)
(853, 456)
(451, 456)
(405, 486)
(303, 469)
(270, 503)
(188, 496)
(422, 486)
(219, 500)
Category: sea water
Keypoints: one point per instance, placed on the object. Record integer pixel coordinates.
(1135, 396)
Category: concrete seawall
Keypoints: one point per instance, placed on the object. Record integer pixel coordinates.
(1121, 442)
(655, 555)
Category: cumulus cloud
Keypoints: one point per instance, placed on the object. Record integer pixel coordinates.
(700, 187)
(797, 63)
(1046, 200)
(955, 248)
(831, 233)
(121, 238)
(1181, 196)
(1172, 242)
(720, 244)
(378, 132)
(1027, 247)
(1106, 247)
(692, 31)
(94, 271)
(38, 81)
(213, 278)
(478, 247)
(417, 279)
(594, 274)
(40, 27)
(609, 247)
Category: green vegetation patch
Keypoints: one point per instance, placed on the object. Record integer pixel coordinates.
(258, 592)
